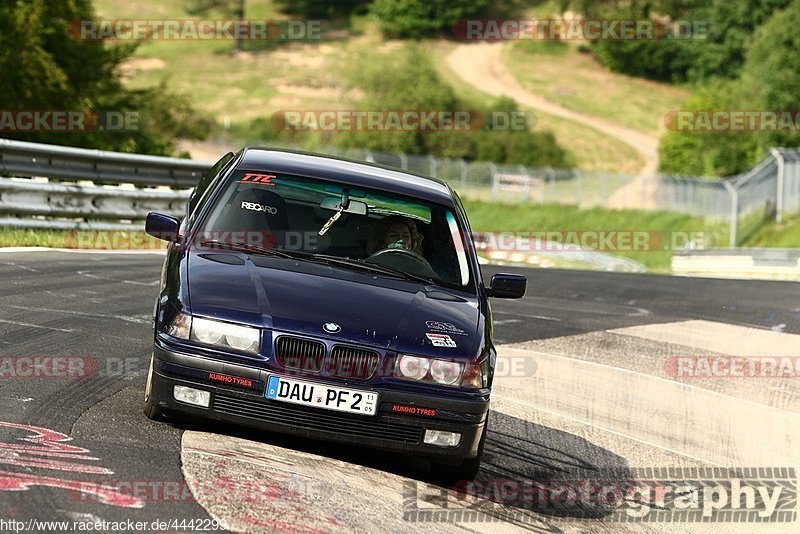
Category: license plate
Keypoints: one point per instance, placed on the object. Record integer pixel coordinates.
(322, 396)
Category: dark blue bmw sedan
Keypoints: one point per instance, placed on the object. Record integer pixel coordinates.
(329, 299)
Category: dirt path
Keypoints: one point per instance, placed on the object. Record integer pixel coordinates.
(481, 65)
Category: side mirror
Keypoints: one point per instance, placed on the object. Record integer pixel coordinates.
(162, 226)
(508, 286)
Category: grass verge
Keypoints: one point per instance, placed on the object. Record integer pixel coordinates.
(667, 230)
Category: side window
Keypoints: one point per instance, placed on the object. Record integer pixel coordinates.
(202, 186)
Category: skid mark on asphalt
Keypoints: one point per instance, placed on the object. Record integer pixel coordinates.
(306, 492)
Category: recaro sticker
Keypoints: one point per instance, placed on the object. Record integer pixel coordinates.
(254, 206)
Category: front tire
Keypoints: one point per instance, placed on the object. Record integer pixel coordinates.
(151, 410)
(465, 471)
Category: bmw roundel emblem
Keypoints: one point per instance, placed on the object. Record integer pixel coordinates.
(331, 328)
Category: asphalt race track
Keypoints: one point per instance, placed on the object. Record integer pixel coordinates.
(587, 389)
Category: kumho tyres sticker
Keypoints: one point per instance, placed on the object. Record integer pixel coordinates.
(441, 340)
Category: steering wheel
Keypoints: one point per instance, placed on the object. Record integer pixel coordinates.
(406, 258)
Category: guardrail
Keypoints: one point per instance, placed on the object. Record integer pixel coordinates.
(115, 191)
(767, 191)
(29, 198)
(20, 159)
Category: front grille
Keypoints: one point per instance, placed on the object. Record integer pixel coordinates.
(301, 354)
(350, 362)
(316, 419)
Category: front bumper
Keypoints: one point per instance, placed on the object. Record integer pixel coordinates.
(244, 403)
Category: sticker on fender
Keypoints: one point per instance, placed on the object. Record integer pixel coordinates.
(441, 340)
(322, 396)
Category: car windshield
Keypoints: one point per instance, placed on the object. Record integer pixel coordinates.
(346, 226)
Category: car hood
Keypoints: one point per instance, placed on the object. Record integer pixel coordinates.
(300, 297)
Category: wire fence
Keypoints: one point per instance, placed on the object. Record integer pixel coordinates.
(767, 192)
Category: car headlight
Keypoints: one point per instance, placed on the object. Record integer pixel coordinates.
(216, 333)
(413, 367)
(437, 371)
(445, 372)
(181, 326)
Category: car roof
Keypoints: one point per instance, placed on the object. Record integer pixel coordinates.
(356, 173)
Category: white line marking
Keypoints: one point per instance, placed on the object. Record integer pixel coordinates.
(80, 250)
(604, 429)
(88, 274)
(127, 318)
(23, 267)
(528, 315)
(18, 323)
(655, 409)
(724, 338)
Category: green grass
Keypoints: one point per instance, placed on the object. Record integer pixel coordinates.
(784, 235)
(563, 74)
(235, 89)
(592, 150)
(494, 217)
(82, 239)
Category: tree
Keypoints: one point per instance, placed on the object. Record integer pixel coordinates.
(768, 82)
(314, 9)
(44, 68)
(233, 9)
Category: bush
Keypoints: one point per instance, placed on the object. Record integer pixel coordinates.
(769, 81)
(419, 18)
(407, 80)
(44, 68)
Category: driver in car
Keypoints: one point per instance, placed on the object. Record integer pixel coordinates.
(396, 232)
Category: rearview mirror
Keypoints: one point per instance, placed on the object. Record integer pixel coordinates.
(508, 286)
(356, 207)
(162, 226)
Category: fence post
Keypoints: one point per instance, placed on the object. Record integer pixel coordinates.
(432, 161)
(524, 172)
(552, 176)
(463, 165)
(403, 161)
(734, 212)
(778, 155)
(493, 172)
(578, 188)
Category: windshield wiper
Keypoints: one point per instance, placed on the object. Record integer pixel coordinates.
(373, 267)
(244, 247)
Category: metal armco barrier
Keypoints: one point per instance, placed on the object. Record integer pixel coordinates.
(26, 197)
(22, 159)
(61, 203)
(768, 191)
